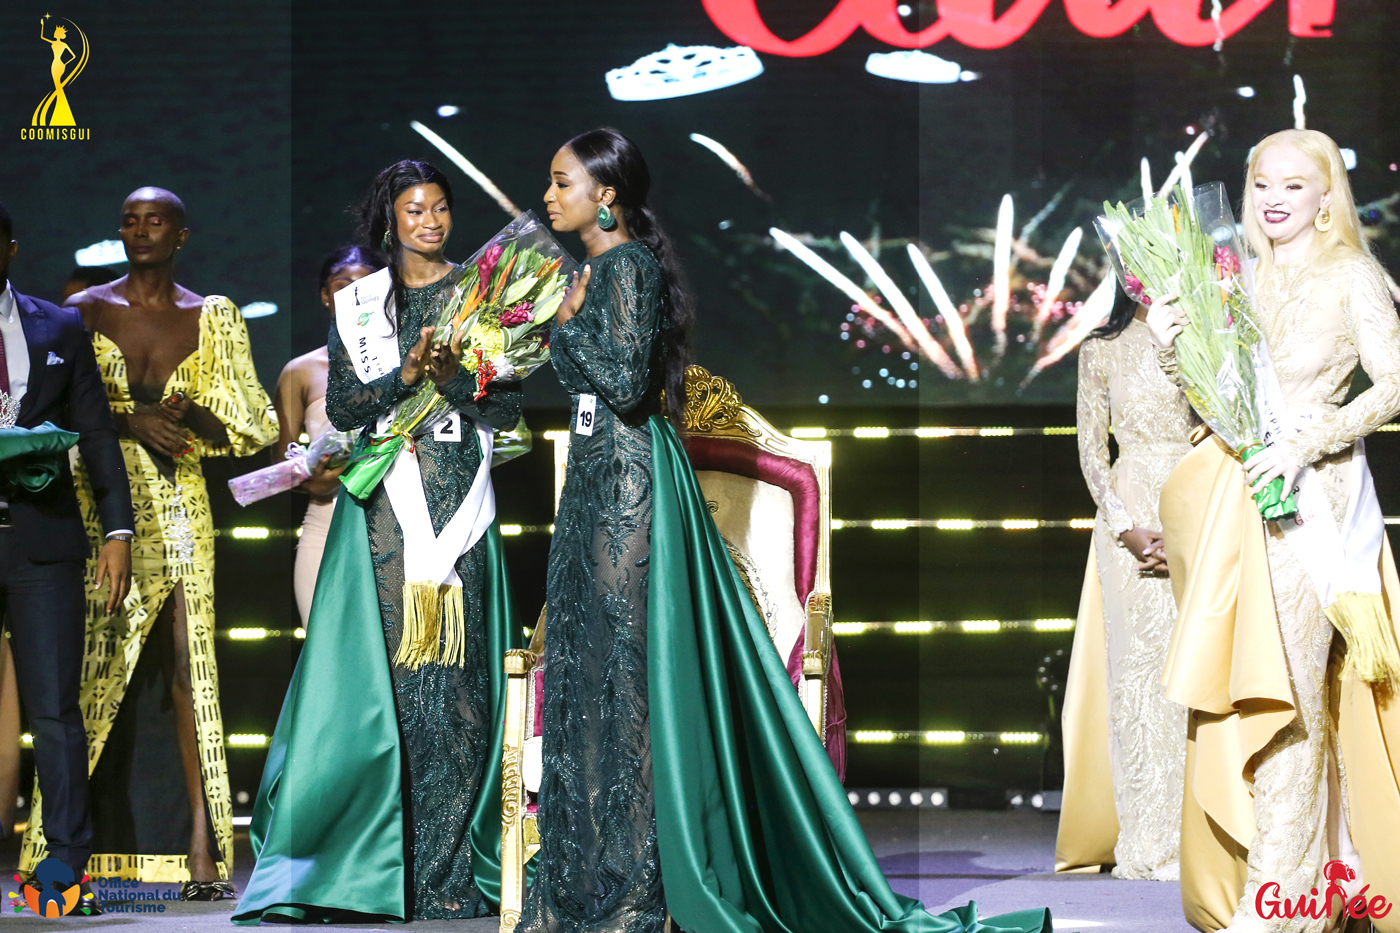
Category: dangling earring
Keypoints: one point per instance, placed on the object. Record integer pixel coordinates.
(1323, 221)
(607, 220)
(385, 240)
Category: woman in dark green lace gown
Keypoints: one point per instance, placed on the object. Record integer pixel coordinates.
(444, 712)
(681, 773)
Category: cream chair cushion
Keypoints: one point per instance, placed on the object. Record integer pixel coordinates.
(756, 521)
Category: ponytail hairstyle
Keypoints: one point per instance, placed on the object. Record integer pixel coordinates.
(614, 161)
(377, 227)
(346, 256)
(1118, 319)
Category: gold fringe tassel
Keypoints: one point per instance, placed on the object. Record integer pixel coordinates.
(1371, 651)
(434, 629)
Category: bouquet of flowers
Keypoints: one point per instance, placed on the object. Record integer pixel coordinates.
(296, 469)
(501, 301)
(1187, 243)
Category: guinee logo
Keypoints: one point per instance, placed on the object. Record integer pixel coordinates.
(53, 117)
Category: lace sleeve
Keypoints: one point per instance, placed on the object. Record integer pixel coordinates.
(500, 407)
(610, 340)
(1092, 419)
(350, 403)
(1374, 330)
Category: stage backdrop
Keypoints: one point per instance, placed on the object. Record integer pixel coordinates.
(1037, 124)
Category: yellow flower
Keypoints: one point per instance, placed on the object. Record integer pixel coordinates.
(488, 337)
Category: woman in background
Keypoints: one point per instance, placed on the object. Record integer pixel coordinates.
(300, 400)
(1127, 614)
(179, 373)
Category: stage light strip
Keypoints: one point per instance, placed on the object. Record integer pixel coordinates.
(463, 163)
(941, 737)
(961, 524)
(258, 633)
(931, 432)
(967, 626)
(926, 433)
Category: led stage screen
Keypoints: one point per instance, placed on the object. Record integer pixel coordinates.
(826, 169)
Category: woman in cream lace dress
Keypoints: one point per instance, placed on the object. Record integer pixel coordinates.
(1324, 308)
(1121, 386)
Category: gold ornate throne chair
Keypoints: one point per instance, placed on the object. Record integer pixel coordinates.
(770, 496)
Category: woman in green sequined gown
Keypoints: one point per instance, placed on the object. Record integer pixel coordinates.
(655, 653)
(445, 712)
(441, 709)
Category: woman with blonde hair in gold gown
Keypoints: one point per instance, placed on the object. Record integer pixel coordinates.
(1290, 788)
(1125, 741)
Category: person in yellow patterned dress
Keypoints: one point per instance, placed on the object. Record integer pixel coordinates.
(180, 377)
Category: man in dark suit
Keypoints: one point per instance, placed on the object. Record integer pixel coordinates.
(47, 363)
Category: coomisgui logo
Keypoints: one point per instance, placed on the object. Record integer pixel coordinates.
(53, 118)
(1271, 904)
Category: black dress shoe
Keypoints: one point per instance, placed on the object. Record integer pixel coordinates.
(207, 890)
(88, 905)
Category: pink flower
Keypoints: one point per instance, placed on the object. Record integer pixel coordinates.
(487, 263)
(1133, 286)
(522, 313)
(1226, 259)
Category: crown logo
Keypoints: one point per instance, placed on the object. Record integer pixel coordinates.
(9, 411)
(677, 71)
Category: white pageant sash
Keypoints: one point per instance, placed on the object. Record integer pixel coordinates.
(364, 328)
(1338, 560)
(429, 557)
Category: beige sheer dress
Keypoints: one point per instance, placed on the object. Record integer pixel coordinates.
(1121, 385)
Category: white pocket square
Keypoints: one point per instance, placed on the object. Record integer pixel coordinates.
(54, 359)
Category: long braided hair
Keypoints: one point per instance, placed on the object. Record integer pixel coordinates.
(613, 160)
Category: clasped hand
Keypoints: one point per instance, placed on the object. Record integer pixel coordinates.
(441, 363)
(1145, 545)
(159, 426)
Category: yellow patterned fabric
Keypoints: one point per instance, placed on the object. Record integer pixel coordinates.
(174, 545)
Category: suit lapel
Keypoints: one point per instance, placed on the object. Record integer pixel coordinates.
(38, 331)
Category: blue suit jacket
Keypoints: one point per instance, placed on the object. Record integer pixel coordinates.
(66, 388)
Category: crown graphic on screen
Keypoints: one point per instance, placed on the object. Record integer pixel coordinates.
(917, 66)
(677, 71)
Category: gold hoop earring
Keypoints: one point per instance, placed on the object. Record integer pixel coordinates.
(1323, 221)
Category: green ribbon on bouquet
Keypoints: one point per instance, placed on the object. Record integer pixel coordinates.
(369, 461)
(31, 458)
(1271, 501)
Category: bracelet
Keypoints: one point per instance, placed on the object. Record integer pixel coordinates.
(127, 538)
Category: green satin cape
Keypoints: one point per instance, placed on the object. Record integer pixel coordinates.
(754, 827)
(327, 828)
(31, 458)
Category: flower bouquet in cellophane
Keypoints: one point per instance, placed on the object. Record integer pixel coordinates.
(1187, 243)
(296, 469)
(501, 301)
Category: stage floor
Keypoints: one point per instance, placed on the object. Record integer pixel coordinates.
(1002, 860)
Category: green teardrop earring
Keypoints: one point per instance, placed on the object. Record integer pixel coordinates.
(385, 241)
(607, 220)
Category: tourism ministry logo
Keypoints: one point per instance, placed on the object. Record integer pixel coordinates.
(53, 118)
